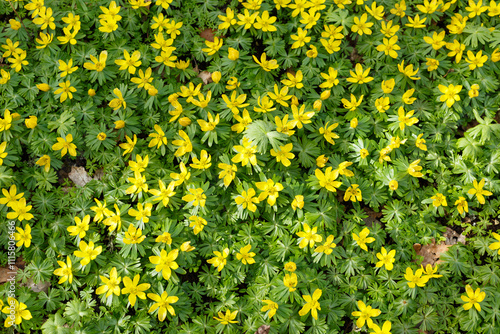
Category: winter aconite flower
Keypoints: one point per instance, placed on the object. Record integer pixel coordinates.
(197, 196)
(65, 145)
(198, 223)
(21, 210)
(65, 271)
(365, 314)
(416, 278)
(97, 64)
(386, 259)
(450, 94)
(165, 262)
(439, 200)
(133, 235)
(312, 304)
(386, 328)
(309, 236)
(220, 259)
(23, 237)
(111, 285)
(362, 239)
(134, 289)
(213, 47)
(18, 310)
(162, 304)
(290, 281)
(87, 252)
(270, 190)
(327, 247)
(473, 298)
(479, 191)
(270, 306)
(82, 226)
(495, 245)
(353, 193)
(414, 169)
(228, 318)
(66, 91)
(245, 256)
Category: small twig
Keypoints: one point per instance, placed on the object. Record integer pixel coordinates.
(19, 17)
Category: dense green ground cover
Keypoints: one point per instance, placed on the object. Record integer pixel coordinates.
(249, 163)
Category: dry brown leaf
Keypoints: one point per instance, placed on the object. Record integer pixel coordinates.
(206, 77)
(80, 177)
(264, 329)
(453, 237)
(431, 252)
(7, 274)
(208, 34)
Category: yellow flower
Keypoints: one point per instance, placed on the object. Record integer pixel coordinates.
(290, 266)
(360, 25)
(130, 62)
(14, 24)
(139, 184)
(300, 39)
(365, 314)
(389, 46)
(134, 289)
(298, 202)
(119, 124)
(162, 304)
(219, 261)
(473, 298)
(211, 124)
(312, 304)
(186, 247)
(41, 86)
(100, 211)
(227, 318)
(406, 119)
(327, 180)
(45, 19)
(309, 236)
(430, 272)
(66, 271)
(198, 223)
(45, 162)
(408, 70)
(301, 116)
(23, 237)
(388, 85)
(243, 120)
(479, 191)
(80, 228)
(462, 205)
(417, 278)
(386, 328)
(184, 144)
(294, 80)
(196, 196)
(363, 153)
(362, 239)
(270, 190)
(284, 154)
(416, 22)
(164, 193)
(216, 76)
(44, 40)
(280, 95)
(327, 247)
(31, 122)
(328, 134)
(415, 169)
(476, 60)
(245, 256)
(439, 200)
(143, 212)
(386, 259)
(437, 40)
(87, 252)
(267, 65)
(247, 200)
(233, 54)
(144, 79)
(159, 138)
(66, 68)
(476, 9)
(360, 76)
(353, 193)
(97, 64)
(165, 238)
(290, 281)
(101, 136)
(66, 91)
(182, 176)
(246, 19)
(228, 20)
(271, 306)
(266, 105)
(129, 145)
(111, 285)
(18, 310)
(65, 145)
(228, 173)
(495, 245)
(133, 234)
(212, 47)
(113, 219)
(353, 104)
(165, 262)
(246, 153)
(474, 91)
